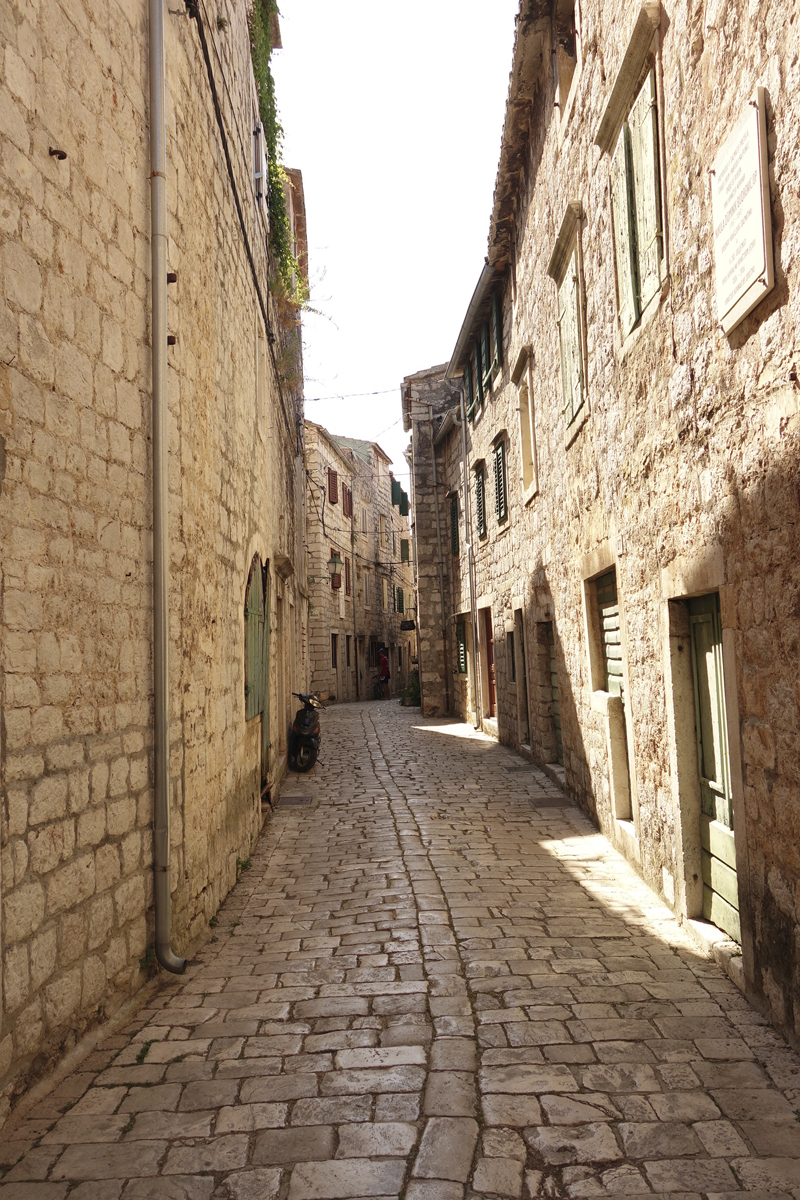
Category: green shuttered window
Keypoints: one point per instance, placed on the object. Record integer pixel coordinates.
(399, 600)
(500, 481)
(404, 550)
(570, 335)
(469, 394)
(461, 647)
(480, 500)
(454, 526)
(497, 331)
(636, 205)
(254, 634)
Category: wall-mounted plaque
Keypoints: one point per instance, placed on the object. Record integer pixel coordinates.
(742, 225)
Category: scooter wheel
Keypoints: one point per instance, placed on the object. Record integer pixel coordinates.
(305, 758)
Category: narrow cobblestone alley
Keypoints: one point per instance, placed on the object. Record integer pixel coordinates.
(435, 980)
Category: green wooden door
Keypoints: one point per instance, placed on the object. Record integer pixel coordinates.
(555, 707)
(717, 846)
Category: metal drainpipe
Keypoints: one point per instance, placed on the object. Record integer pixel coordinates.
(441, 565)
(158, 337)
(473, 612)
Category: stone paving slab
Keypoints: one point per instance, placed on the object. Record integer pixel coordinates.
(438, 983)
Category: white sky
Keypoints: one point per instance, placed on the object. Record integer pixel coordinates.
(394, 113)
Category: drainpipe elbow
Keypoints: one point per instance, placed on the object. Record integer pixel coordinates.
(169, 960)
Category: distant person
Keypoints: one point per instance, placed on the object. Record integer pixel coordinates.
(383, 671)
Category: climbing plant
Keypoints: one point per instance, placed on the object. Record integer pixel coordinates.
(286, 278)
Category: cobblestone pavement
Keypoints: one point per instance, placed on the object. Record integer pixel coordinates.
(436, 981)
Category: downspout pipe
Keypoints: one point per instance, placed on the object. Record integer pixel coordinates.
(158, 338)
(473, 612)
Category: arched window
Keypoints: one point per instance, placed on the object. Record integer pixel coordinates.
(254, 627)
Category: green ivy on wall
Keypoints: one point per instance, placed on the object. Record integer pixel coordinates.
(280, 231)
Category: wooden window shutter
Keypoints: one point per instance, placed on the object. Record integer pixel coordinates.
(624, 236)
(500, 484)
(404, 550)
(454, 526)
(396, 491)
(644, 152)
(348, 585)
(333, 487)
(497, 330)
(480, 501)
(400, 600)
(469, 395)
(486, 358)
(569, 330)
(461, 647)
(255, 625)
(347, 501)
(478, 374)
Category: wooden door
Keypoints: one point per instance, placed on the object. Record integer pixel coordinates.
(489, 641)
(717, 846)
(555, 707)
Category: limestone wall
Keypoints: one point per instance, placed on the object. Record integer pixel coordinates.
(682, 472)
(75, 530)
(361, 616)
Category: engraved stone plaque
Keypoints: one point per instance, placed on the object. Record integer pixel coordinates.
(742, 225)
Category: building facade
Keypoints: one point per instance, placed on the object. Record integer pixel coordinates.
(357, 510)
(77, 536)
(615, 478)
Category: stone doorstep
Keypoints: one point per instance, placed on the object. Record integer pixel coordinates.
(717, 945)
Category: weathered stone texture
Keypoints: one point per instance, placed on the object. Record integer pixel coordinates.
(364, 468)
(681, 472)
(76, 538)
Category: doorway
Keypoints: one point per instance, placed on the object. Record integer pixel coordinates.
(717, 845)
(523, 717)
(490, 705)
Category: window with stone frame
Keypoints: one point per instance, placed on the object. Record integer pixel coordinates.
(636, 207)
(454, 547)
(367, 590)
(480, 499)
(485, 359)
(500, 481)
(565, 269)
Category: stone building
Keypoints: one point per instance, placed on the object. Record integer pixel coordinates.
(616, 475)
(357, 510)
(77, 427)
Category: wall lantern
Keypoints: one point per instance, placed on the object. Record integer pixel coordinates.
(335, 569)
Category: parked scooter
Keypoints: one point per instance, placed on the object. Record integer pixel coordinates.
(305, 739)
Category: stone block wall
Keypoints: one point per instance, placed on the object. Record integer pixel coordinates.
(76, 509)
(680, 472)
(364, 468)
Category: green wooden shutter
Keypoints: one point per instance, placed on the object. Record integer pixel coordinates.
(644, 152)
(486, 358)
(570, 336)
(395, 491)
(461, 647)
(454, 525)
(555, 704)
(480, 501)
(624, 237)
(500, 481)
(469, 395)
(403, 503)
(400, 600)
(565, 338)
(254, 645)
(497, 330)
(478, 374)
(404, 550)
